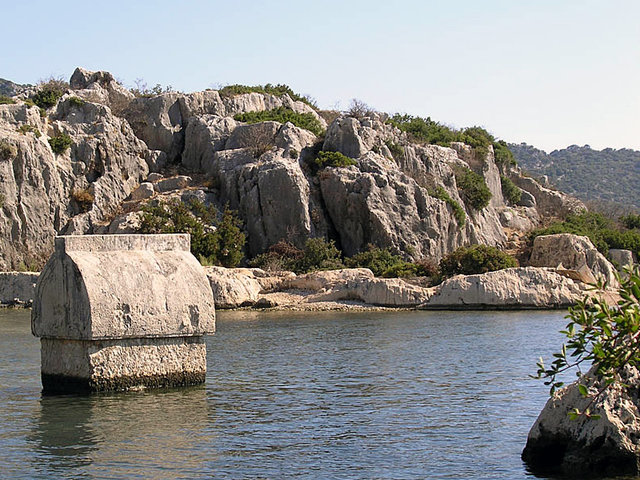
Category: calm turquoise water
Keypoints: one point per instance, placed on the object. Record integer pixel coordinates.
(378, 395)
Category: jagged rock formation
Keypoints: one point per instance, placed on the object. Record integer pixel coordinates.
(265, 171)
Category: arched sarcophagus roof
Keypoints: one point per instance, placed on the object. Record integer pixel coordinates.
(122, 286)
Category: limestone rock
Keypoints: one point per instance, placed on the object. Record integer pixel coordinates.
(105, 161)
(205, 135)
(605, 446)
(549, 202)
(144, 190)
(17, 288)
(100, 87)
(158, 122)
(233, 287)
(173, 183)
(526, 287)
(242, 287)
(571, 252)
(622, 258)
(358, 284)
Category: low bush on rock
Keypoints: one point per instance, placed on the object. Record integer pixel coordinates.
(26, 128)
(49, 93)
(378, 260)
(458, 212)
(83, 198)
(8, 150)
(631, 221)
(317, 254)
(333, 159)
(510, 191)
(425, 130)
(60, 143)
(76, 101)
(475, 259)
(4, 100)
(213, 242)
(472, 187)
(283, 115)
(277, 90)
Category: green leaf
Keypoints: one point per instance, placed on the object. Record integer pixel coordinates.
(583, 390)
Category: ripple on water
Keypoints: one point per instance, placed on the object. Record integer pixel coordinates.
(328, 395)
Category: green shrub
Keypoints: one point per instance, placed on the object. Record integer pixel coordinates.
(222, 246)
(631, 221)
(283, 115)
(76, 101)
(458, 212)
(2, 200)
(472, 187)
(475, 259)
(49, 93)
(26, 128)
(8, 150)
(277, 90)
(280, 256)
(333, 159)
(510, 191)
(504, 156)
(4, 100)
(60, 143)
(83, 198)
(318, 254)
(378, 260)
(425, 130)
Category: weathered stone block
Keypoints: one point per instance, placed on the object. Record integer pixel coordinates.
(121, 311)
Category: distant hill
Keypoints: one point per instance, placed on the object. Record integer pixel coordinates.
(606, 175)
(7, 87)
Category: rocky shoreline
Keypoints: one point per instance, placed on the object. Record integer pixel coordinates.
(358, 290)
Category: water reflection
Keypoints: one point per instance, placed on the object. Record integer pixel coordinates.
(116, 434)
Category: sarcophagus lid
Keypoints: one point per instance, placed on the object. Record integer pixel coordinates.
(122, 286)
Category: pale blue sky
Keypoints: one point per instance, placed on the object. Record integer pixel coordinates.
(548, 72)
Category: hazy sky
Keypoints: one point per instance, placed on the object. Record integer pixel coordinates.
(547, 72)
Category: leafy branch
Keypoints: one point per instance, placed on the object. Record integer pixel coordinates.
(607, 336)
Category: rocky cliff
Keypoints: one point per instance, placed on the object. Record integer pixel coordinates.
(398, 193)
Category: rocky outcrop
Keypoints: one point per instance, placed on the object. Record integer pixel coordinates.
(399, 194)
(572, 252)
(607, 445)
(17, 288)
(512, 288)
(549, 202)
(45, 193)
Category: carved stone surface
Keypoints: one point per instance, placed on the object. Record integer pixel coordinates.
(118, 311)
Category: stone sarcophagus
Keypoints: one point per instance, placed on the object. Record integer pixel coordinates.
(119, 312)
